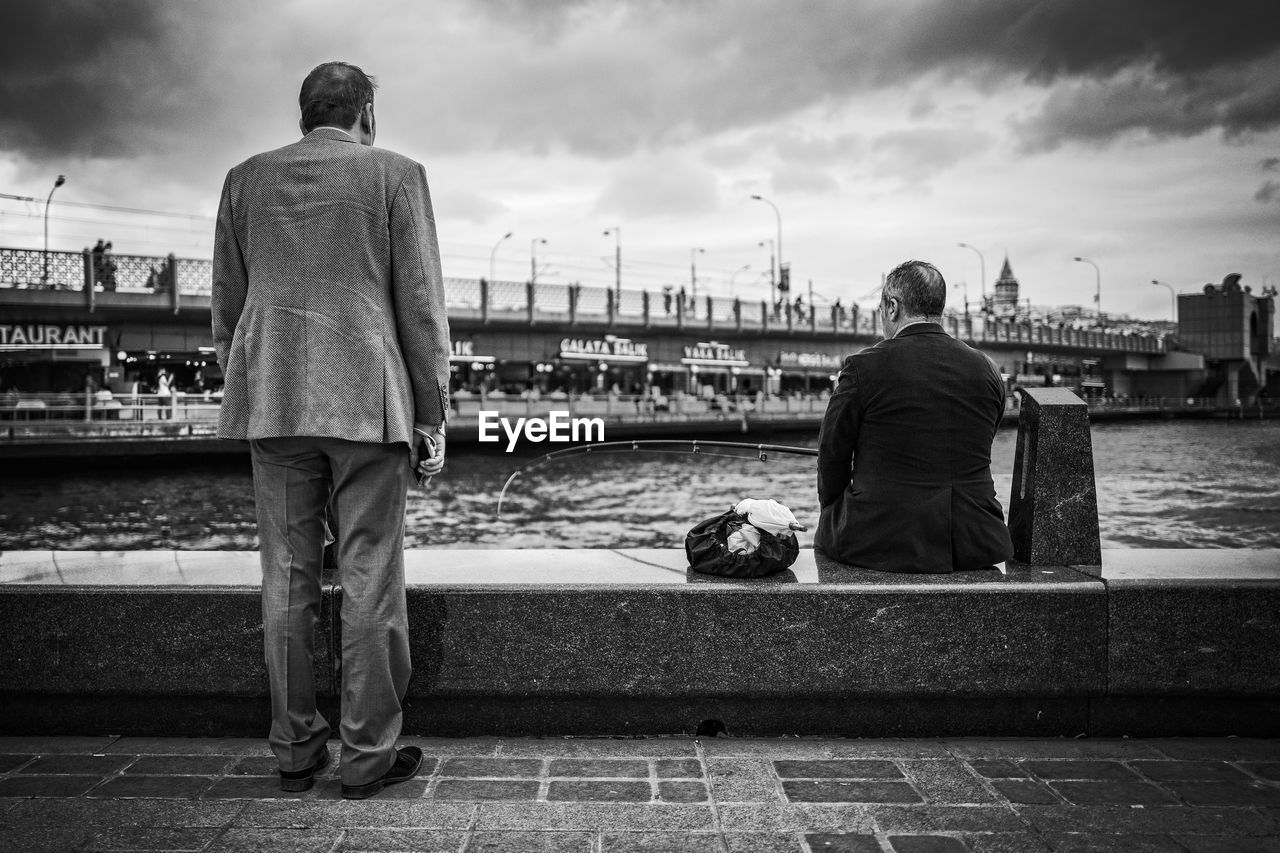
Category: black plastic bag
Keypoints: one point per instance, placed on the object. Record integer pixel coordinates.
(707, 548)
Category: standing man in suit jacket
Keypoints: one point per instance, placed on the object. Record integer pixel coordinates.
(904, 455)
(330, 325)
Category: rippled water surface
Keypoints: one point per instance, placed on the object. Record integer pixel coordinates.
(1194, 484)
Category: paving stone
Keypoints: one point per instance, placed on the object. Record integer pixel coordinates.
(55, 745)
(412, 789)
(479, 747)
(104, 814)
(1026, 791)
(1230, 793)
(850, 791)
(42, 839)
(743, 780)
(1167, 771)
(927, 844)
(180, 765)
(682, 792)
(99, 765)
(1112, 793)
(278, 840)
(600, 792)
(1219, 749)
(659, 842)
(257, 765)
(621, 817)
(760, 842)
(837, 769)
(842, 843)
(1154, 820)
(1126, 843)
(998, 768)
(421, 814)
(488, 789)
(797, 817)
(1267, 770)
(929, 819)
(599, 768)
(529, 842)
(189, 746)
(655, 747)
(678, 768)
(169, 838)
(1227, 844)
(13, 762)
(1005, 842)
(47, 786)
(815, 748)
(946, 782)
(1095, 770)
(249, 788)
(526, 768)
(415, 840)
(1039, 748)
(173, 787)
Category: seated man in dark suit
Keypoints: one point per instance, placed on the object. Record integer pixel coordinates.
(904, 456)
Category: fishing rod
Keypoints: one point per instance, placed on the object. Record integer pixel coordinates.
(657, 445)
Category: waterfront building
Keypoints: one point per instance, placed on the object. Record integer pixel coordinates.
(1233, 329)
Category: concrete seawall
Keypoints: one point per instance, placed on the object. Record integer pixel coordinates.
(630, 642)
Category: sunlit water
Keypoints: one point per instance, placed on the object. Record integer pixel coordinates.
(1179, 484)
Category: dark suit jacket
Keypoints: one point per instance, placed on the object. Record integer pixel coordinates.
(904, 458)
(328, 302)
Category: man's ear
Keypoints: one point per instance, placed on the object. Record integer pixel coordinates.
(302, 126)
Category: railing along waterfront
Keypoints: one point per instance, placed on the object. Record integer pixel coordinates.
(558, 303)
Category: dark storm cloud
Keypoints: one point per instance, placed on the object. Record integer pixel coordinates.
(1270, 164)
(1268, 192)
(86, 78)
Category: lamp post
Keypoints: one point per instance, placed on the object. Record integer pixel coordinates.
(44, 279)
(533, 258)
(773, 296)
(616, 231)
(734, 277)
(693, 271)
(773, 279)
(1173, 297)
(1097, 296)
(493, 253)
(982, 266)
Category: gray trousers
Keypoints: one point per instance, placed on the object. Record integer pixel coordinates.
(364, 487)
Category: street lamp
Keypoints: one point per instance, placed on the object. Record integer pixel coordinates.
(733, 278)
(773, 280)
(616, 231)
(1173, 297)
(506, 236)
(1097, 296)
(773, 297)
(533, 258)
(982, 265)
(693, 270)
(44, 279)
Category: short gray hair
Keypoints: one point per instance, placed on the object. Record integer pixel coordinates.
(919, 287)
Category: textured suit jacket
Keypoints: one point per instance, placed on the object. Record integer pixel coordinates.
(904, 458)
(328, 301)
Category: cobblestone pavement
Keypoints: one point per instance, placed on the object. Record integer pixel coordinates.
(660, 794)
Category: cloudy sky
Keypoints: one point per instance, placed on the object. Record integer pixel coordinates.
(1144, 135)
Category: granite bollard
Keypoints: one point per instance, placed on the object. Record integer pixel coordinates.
(1053, 509)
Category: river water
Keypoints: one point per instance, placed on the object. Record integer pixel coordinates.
(1161, 484)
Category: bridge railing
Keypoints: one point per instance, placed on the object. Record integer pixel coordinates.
(25, 268)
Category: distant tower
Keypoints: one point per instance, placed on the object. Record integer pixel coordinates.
(1005, 303)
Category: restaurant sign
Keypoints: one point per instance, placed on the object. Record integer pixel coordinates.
(33, 336)
(712, 354)
(466, 351)
(608, 348)
(814, 360)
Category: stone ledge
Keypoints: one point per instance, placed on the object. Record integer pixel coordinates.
(630, 641)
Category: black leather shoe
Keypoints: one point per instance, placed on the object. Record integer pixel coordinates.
(408, 763)
(302, 780)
